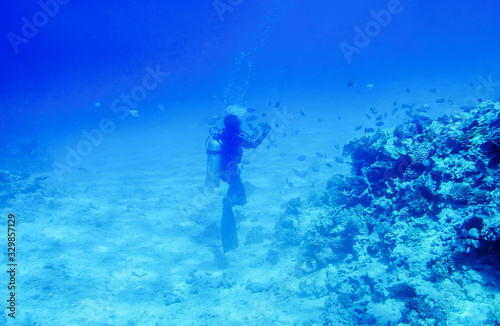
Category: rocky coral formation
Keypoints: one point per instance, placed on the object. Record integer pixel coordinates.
(22, 155)
(18, 161)
(423, 169)
(418, 217)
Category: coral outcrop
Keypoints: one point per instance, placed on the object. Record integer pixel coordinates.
(412, 236)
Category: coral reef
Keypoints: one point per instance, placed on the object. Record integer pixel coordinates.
(418, 216)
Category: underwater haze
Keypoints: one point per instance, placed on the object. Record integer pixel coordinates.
(233, 162)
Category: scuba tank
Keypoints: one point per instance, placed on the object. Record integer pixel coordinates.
(214, 150)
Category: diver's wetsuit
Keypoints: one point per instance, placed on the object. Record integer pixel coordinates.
(233, 141)
(232, 150)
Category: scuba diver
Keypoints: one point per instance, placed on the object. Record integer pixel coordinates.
(225, 149)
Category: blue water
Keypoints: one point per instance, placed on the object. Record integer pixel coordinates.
(105, 108)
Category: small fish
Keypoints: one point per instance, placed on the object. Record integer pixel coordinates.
(301, 158)
(409, 113)
(245, 162)
(370, 86)
(97, 105)
(340, 118)
(284, 134)
(282, 154)
(440, 100)
(433, 90)
(380, 117)
(290, 184)
(318, 154)
(368, 116)
(300, 173)
(250, 110)
(302, 113)
(479, 100)
(337, 146)
(358, 127)
(329, 165)
(351, 83)
(408, 90)
(161, 107)
(380, 123)
(421, 110)
(407, 106)
(135, 113)
(395, 103)
(264, 115)
(394, 111)
(251, 118)
(367, 130)
(277, 105)
(137, 275)
(385, 115)
(373, 110)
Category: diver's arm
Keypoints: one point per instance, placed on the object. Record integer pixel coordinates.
(258, 141)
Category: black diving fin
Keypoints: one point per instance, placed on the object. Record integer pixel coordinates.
(228, 227)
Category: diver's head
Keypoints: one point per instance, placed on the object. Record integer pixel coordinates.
(232, 123)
